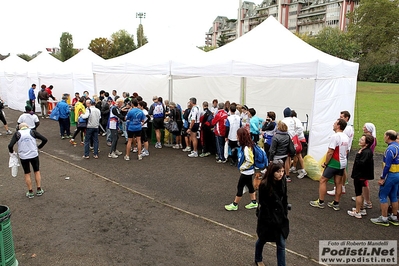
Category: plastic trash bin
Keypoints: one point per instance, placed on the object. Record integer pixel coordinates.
(7, 252)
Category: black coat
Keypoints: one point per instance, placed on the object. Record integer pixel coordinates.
(363, 167)
(273, 212)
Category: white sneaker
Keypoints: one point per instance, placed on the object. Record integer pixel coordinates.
(134, 149)
(176, 146)
(145, 153)
(362, 211)
(127, 158)
(332, 192)
(194, 154)
(355, 214)
(302, 173)
(112, 155)
(118, 152)
(180, 146)
(293, 170)
(140, 157)
(187, 149)
(9, 132)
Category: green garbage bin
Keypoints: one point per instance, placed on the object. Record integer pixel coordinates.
(7, 252)
(72, 118)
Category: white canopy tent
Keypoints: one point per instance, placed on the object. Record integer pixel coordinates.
(14, 81)
(145, 70)
(276, 69)
(80, 67)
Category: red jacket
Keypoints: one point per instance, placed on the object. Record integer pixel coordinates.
(219, 123)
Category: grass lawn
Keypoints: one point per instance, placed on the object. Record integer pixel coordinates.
(377, 103)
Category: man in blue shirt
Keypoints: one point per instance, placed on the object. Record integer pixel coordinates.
(389, 181)
(65, 124)
(32, 97)
(134, 122)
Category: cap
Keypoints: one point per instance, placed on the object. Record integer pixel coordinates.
(287, 112)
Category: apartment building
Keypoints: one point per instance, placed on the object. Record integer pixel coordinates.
(298, 16)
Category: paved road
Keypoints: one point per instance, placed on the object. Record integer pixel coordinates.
(164, 210)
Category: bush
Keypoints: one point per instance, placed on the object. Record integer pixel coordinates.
(381, 73)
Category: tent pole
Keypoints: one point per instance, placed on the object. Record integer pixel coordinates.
(243, 88)
(170, 91)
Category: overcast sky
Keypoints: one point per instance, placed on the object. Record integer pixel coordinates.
(28, 26)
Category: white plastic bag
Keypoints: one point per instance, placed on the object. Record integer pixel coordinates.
(226, 150)
(13, 164)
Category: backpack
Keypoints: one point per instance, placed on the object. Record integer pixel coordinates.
(260, 157)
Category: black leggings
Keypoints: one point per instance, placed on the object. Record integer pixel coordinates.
(245, 180)
(81, 130)
(2, 118)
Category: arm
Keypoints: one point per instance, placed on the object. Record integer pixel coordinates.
(227, 124)
(389, 156)
(272, 150)
(37, 135)
(14, 140)
(329, 155)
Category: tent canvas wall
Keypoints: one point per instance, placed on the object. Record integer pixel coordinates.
(277, 69)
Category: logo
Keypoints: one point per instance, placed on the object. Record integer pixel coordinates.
(358, 252)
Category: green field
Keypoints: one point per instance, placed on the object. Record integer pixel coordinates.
(377, 103)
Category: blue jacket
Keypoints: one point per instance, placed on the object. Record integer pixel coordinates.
(64, 109)
(391, 159)
(32, 95)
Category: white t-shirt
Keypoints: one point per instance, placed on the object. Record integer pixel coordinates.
(29, 119)
(194, 114)
(339, 143)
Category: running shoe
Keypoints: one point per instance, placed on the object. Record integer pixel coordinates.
(118, 152)
(231, 207)
(355, 214)
(380, 221)
(187, 149)
(127, 158)
(39, 192)
(193, 154)
(9, 132)
(393, 220)
(362, 211)
(251, 206)
(334, 206)
(30, 195)
(293, 170)
(72, 142)
(139, 157)
(317, 204)
(112, 155)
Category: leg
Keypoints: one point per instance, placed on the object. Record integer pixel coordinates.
(87, 141)
(38, 179)
(95, 141)
(128, 146)
(28, 181)
(322, 187)
(194, 141)
(158, 135)
(259, 250)
(366, 194)
(138, 140)
(280, 243)
(114, 138)
(338, 187)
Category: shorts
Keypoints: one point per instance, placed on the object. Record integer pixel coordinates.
(359, 184)
(157, 123)
(144, 137)
(390, 188)
(331, 172)
(33, 161)
(195, 127)
(133, 134)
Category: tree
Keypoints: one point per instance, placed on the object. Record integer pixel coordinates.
(121, 43)
(66, 45)
(375, 24)
(141, 39)
(101, 47)
(334, 42)
(222, 40)
(207, 48)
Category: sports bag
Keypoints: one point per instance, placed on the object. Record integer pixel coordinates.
(260, 157)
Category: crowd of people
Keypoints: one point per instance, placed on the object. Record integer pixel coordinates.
(229, 131)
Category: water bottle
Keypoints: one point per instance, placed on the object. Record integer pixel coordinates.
(14, 170)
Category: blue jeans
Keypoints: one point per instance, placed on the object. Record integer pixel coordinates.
(280, 243)
(91, 134)
(220, 147)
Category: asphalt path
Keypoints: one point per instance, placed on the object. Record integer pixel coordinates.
(167, 209)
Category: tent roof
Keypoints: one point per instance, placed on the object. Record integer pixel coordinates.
(45, 63)
(152, 58)
(269, 50)
(14, 63)
(82, 62)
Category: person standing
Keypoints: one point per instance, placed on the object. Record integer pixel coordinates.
(64, 120)
(3, 119)
(389, 181)
(42, 98)
(29, 117)
(255, 125)
(193, 128)
(134, 122)
(334, 166)
(157, 111)
(233, 123)
(92, 115)
(79, 109)
(269, 129)
(32, 97)
(272, 213)
(29, 155)
(245, 164)
(219, 128)
(345, 115)
(114, 119)
(362, 171)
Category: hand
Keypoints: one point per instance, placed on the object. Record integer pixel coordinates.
(381, 182)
